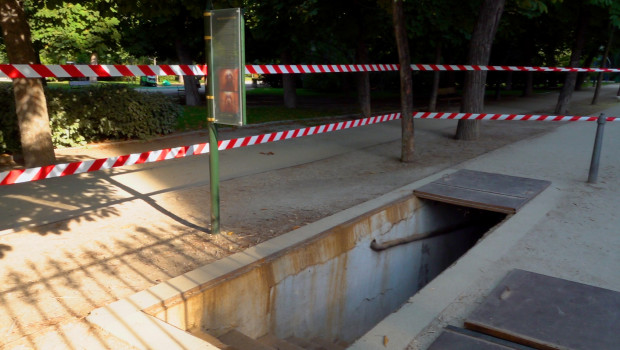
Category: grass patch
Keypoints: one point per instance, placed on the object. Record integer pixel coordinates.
(264, 114)
(195, 117)
(65, 84)
(518, 93)
(269, 91)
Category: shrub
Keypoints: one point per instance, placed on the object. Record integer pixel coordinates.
(9, 133)
(96, 113)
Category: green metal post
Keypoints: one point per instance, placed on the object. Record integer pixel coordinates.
(214, 166)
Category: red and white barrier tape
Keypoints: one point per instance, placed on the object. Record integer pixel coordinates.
(91, 70)
(486, 116)
(80, 71)
(323, 68)
(59, 170)
(450, 67)
(298, 69)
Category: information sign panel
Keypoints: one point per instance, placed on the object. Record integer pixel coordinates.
(228, 67)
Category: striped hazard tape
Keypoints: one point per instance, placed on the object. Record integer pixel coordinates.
(323, 68)
(449, 67)
(80, 71)
(96, 70)
(486, 116)
(59, 170)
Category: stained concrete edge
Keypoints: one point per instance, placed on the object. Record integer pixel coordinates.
(126, 320)
(144, 331)
(402, 326)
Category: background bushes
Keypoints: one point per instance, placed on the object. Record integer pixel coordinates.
(94, 113)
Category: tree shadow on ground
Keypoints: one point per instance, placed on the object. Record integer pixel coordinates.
(43, 295)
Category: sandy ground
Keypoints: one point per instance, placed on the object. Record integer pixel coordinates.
(125, 241)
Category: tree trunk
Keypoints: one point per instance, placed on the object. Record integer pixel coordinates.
(406, 83)
(571, 78)
(528, 90)
(581, 77)
(599, 77)
(363, 80)
(94, 59)
(530, 52)
(288, 84)
(509, 80)
(192, 97)
(498, 89)
(432, 103)
(479, 54)
(37, 53)
(30, 103)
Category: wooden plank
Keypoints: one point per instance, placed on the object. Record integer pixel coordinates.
(470, 198)
(240, 341)
(451, 340)
(549, 313)
(488, 191)
(496, 183)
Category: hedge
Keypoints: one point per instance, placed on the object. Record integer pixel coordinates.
(95, 113)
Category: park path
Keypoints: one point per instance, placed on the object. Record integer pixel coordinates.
(72, 244)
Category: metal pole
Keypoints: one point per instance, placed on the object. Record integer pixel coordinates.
(596, 152)
(214, 167)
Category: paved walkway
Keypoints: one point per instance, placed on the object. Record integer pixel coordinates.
(570, 231)
(104, 230)
(40, 203)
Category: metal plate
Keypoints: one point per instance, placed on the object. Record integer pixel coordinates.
(228, 68)
(549, 313)
(488, 191)
(451, 340)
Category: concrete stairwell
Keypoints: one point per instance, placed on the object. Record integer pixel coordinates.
(235, 340)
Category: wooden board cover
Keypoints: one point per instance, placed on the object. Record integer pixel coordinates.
(488, 191)
(451, 340)
(550, 313)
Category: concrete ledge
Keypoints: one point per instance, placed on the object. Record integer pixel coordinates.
(423, 308)
(127, 319)
(144, 331)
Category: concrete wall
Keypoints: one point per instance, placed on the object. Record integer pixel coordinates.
(331, 285)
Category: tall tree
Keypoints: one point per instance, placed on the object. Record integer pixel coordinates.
(406, 82)
(443, 26)
(599, 76)
(68, 31)
(171, 30)
(281, 29)
(479, 54)
(613, 8)
(349, 31)
(571, 78)
(32, 116)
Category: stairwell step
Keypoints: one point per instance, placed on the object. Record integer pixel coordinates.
(302, 343)
(240, 341)
(277, 343)
(326, 344)
(314, 344)
(197, 332)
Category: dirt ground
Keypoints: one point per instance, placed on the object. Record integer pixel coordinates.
(53, 275)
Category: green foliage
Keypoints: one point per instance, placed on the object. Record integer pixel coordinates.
(9, 132)
(73, 31)
(95, 114)
(3, 56)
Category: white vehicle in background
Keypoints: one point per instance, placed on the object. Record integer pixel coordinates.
(149, 80)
